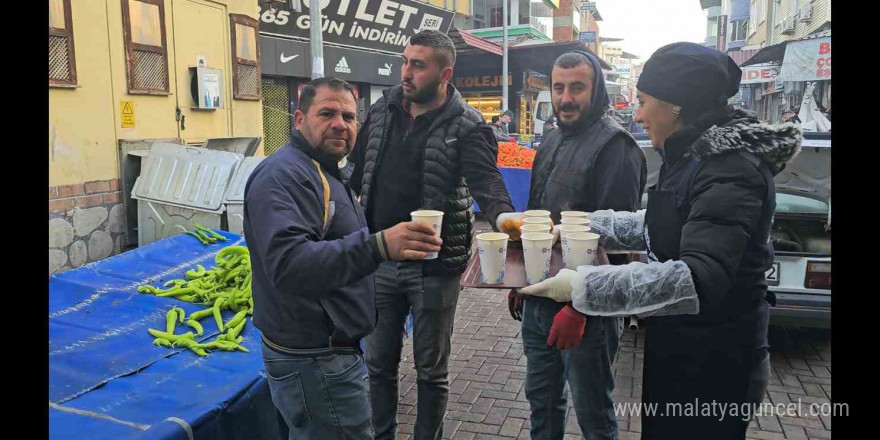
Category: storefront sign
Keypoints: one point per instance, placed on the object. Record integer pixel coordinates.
(721, 42)
(535, 82)
(588, 6)
(808, 60)
(383, 25)
(759, 74)
(291, 58)
(623, 69)
(587, 37)
(467, 83)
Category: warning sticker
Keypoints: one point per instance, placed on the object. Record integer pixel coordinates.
(127, 110)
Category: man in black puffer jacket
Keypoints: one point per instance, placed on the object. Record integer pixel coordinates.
(421, 147)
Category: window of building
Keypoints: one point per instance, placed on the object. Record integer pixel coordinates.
(245, 57)
(146, 48)
(62, 60)
(739, 30)
(753, 16)
(762, 11)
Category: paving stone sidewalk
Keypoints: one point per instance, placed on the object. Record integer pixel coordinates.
(487, 374)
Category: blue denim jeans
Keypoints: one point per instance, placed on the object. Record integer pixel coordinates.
(401, 288)
(321, 396)
(587, 369)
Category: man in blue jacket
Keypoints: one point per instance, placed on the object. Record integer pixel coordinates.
(313, 260)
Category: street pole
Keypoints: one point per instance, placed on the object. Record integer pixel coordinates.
(316, 39)
(504, 60)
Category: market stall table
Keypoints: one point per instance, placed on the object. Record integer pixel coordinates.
(107, 380)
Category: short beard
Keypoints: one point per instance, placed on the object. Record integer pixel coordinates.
(332, 153)
(568, 126)
(423, 95)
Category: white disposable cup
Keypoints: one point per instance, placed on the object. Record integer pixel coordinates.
(575, 221)
(537, 250)
(492, 247)
(537, 213)
(536, 221)
(580, 214)
(582, 247)
(531, 227)
(564, 230)
(433, 218)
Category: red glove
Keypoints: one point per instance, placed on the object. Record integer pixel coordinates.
(515, 304)
(567, 329)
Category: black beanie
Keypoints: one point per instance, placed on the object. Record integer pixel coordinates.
(690, 75)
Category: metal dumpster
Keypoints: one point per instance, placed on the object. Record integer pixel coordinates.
(234, 198)
(179, 186)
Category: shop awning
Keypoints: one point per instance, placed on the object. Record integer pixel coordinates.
(776, 53)
(467, 43)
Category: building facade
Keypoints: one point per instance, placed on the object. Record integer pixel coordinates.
(122, 71)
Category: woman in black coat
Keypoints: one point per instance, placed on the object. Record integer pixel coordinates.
(707, 234)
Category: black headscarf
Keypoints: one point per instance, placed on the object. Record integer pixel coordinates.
(690, 75)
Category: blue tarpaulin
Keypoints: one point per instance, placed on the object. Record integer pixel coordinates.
(517, 181)
(107, 380)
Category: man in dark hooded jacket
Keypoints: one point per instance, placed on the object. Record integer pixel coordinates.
(589, 163)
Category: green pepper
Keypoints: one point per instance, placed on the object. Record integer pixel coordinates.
(170, 321)
(229, 251)
(237, 329)
(197, 316)
(218, 303)
(147, 289)
(161, 341)
(176, 292)
(170, 336)
(197, 273)
(236, 319)
(196, 326)
(190, 344)
(197, 236)
(210, 231)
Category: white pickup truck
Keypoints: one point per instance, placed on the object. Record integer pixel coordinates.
(800, 279)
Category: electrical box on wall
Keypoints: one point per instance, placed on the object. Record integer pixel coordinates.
(207, 88)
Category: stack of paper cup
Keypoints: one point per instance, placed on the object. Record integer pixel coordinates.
(544, 227)
(582, 214)
(433, 218)
(492, 247)
(536, 253)
(564, 230)
(536, 213)
(582, 248)
(537, 221)
(575, 221)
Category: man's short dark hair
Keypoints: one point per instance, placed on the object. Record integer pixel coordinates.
(507, 113)
(495, 119)
(444, 49)
(571, 60)
(307, 95)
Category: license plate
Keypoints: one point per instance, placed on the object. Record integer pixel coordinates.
(773, 275)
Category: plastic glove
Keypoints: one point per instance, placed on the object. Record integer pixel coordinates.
(653, 289)
(509, 223)
(515, 304)
(619, 230)
(567, 329)
(557, 288)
